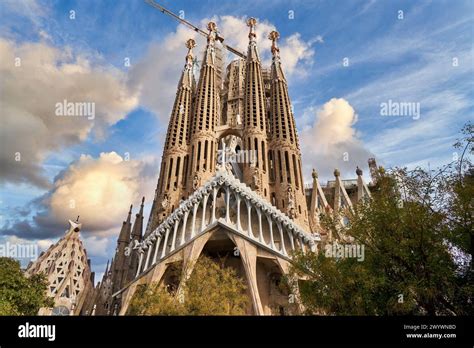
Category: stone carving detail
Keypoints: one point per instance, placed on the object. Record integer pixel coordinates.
(166, 201)
(196, 181)
(256, 181)
(291, 203)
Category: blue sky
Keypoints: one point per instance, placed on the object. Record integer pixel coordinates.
(426, 57)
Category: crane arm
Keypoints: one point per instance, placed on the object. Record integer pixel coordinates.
(193, 27)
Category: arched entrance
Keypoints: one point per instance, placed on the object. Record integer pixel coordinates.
(221, 249)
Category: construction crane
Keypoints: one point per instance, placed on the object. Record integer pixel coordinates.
(193, 27)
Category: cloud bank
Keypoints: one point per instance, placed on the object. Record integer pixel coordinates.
(100, 190)
(331, 141)
(36, 76)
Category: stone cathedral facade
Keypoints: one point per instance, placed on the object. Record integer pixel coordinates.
(230, 179)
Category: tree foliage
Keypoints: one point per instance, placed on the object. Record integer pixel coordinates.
(417, 234)
(211, 289)
(20, 295)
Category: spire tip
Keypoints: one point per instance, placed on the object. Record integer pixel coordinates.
(190, 44)
(274, 36)
(251, 23)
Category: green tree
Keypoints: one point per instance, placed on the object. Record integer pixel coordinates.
(408, 229)
(458, 198)
(401, 252)
(20, 295)
(457, 204)
(211, 289)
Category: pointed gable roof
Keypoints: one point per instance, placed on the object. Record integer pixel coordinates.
(224, 178)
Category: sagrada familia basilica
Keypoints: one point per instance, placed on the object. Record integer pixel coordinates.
(230, 179)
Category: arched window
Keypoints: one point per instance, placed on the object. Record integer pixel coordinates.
(205, 155)
(295, 171)
(280, 166)
(198, 156)
(256, 152)
(170, 169)
(185, 170)
(271, 165)
(287, 167)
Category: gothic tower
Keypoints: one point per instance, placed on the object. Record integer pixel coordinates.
(255, 131)
(288, 192)
(174, 162)
(202, 139)
(135, 238)
(120, 265)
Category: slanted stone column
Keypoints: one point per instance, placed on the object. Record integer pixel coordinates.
(192, 252)
(248, 255)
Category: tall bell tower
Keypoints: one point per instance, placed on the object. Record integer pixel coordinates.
(288, 190)
(172, 182)
(202, 140)
(254, 127)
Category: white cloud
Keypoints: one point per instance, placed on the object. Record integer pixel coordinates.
(158, 73)
(36, 76)
(296, 55)
(100, 190)
(332, 141)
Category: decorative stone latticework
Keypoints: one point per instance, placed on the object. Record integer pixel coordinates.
(271, 229)
(67, 269)
(223, 209)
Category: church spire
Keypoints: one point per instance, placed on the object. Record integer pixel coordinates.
(138, 224)
(210, 54)
(124, 235)
(255, 132)
(203, 143)
(107, 267)
(174, 162)
(252, 51)
(277, 71)
(187, 77)
(176, 135)
(136, 236)
(119, 265)
(190, 44)
(112, 263)
(288, 194)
